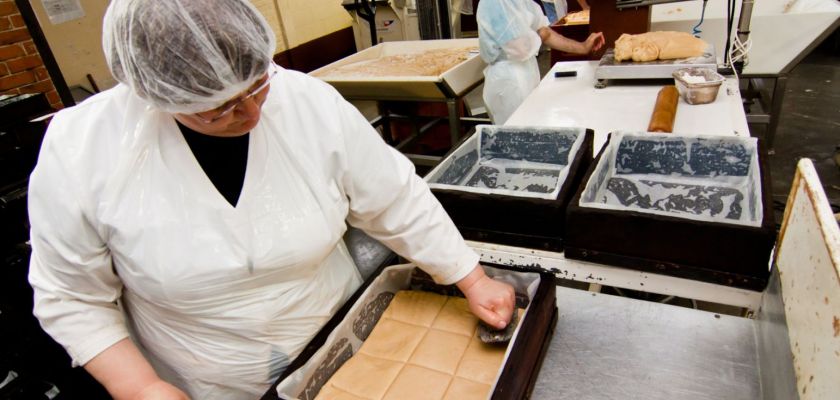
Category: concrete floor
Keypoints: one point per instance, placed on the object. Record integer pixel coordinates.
(809, 125)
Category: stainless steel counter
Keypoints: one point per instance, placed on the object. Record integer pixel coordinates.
(610, 347)
(607, 347)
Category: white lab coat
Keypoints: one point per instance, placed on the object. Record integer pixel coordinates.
(509, 43)
(129, 234)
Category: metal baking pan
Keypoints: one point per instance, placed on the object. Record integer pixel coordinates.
(455, 82)
(349, 327)
(692, 207)
(511, 184)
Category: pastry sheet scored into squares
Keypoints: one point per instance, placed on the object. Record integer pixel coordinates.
(425, 346)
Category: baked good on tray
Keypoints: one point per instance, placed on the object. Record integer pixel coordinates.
(425, 346)
(576, 18)
(427, 63)
(661, 45)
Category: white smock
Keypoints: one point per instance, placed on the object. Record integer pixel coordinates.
(129, 234)
(509, 43)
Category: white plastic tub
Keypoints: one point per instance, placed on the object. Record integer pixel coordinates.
(454, 82)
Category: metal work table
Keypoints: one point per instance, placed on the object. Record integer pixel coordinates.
(573, 101)
(449, 87)
(599, 274)
(608, 347)
(613, 347)
(419, 124)
(783, 32)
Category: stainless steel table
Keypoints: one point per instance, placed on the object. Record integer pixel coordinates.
(783, 32)
(607, 347)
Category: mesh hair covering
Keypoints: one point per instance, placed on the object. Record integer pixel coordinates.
(186, 56)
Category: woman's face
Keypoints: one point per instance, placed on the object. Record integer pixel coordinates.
(234, 118)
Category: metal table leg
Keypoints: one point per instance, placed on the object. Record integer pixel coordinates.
(454, 121)
(758, 92)
(385, 122)
(776, 108)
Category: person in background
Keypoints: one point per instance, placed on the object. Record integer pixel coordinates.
(510, 34)
(556, 9)
(187, 224)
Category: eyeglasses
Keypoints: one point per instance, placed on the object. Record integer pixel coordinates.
(231, 105)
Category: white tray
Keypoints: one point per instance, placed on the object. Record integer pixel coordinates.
(455, 82)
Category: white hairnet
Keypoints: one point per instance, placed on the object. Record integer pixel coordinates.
(186, 56)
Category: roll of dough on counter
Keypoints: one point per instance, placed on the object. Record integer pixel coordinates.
(665, 110)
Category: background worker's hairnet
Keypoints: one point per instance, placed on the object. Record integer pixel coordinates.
(186, 56)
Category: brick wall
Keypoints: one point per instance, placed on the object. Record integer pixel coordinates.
(21, 68)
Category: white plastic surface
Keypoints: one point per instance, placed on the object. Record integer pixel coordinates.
(459, 78)
(703, 178)
(573, 102)
(780, 29)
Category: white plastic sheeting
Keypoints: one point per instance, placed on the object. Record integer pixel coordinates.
(511, 161)
(705, 178)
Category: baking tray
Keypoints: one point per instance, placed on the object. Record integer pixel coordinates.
(455, 82)
(609, 68)
(717, 249)
(331, 347)
(518, 217)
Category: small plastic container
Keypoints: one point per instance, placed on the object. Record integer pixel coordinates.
(698, 85)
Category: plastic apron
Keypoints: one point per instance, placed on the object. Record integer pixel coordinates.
(221, 298)
(507, 84)
(509, 43)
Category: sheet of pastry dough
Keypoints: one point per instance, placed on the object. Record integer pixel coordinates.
(425, 346)
(427, 63)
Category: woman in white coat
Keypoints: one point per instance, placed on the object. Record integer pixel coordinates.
(510, 33)
(187, 224)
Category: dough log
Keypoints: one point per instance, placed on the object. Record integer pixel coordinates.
(665, 110)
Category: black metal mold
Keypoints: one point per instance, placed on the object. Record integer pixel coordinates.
(519, 373)
(715, 252)
(518, 221)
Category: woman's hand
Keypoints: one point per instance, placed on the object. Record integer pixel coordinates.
(594, 42)
(490, 300)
